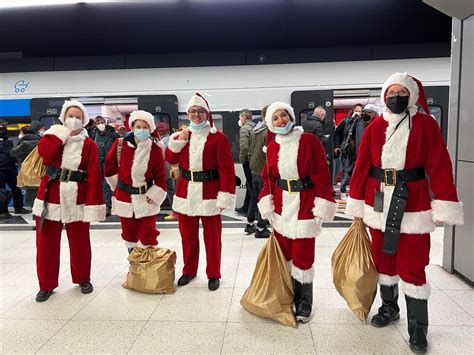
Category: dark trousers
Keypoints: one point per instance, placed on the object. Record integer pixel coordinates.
(106, 191)
(248, 184)
(347, 168)
(257, 185)
(8, 177)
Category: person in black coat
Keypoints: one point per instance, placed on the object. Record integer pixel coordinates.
(8, 171)
(315, 124)
(104, 136)
(30, 136)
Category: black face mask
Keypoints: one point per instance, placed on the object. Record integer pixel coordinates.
(397, 104)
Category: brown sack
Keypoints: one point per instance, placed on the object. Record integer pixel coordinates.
(270, 293)
(32, 170)
(151, 270)
(353, 270)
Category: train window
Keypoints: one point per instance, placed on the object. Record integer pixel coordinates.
(162, 117)
(183, 120)
(305, 114)
(48, 121)
(437, 112)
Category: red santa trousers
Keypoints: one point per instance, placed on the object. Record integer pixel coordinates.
(139, 229)
(48, 246)
(301, 254)
(189, 230)
(409, 262)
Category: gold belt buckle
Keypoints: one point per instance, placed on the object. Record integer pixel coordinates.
(68, 175)
(288, 184)
(140, 189)
(386, 174)
(192, 174)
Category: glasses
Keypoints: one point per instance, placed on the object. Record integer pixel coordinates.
(199, 112)
(399, 93)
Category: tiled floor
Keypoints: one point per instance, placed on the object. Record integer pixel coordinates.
(195, 320)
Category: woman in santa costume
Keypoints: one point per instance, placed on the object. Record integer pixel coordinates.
(135, 171)
(297, 195)
(390, 192)
(205, 188)
(71, 194)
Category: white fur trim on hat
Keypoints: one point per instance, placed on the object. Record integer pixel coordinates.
(275, 107)
(197, 101)
(405, 80)
(144, 116)
(80, 106)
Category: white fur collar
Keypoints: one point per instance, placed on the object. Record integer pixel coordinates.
(394, 118)
(295, 134)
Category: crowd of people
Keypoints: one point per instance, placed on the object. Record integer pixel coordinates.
(288, 180)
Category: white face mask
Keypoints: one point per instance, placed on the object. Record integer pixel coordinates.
(101, 127)
(73, 123)
(240, 123)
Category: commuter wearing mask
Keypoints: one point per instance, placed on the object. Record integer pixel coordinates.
(369, 113)
(69, 194)
(104, 136)
(390, 192)
(297, 195)
(135, 171)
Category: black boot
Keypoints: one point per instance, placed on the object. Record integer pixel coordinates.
(304, 303)
(417, 314)
(389, 311)
(130, 250)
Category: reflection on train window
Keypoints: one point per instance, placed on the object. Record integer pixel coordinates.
(305, 114)
(48, 121)
(183, 120)
(437, 112)
(162, 117)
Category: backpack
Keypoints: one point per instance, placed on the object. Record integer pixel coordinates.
(32, 170)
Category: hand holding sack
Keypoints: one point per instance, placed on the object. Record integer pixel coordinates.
(270, 294)
(151, 270)
(32, 170)
(353, 270)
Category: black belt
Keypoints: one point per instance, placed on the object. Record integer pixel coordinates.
(398, 179)
(295, 185)
(200, 176)
(131, 190)
(64, 175)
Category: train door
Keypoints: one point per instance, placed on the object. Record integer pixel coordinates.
(438, 103)
(163, 107)
(304, 103)
(47, 110)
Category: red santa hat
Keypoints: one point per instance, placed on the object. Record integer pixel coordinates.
(272, 109)
(200, 101)
(413, 85)
(71, 103)
(144, 116)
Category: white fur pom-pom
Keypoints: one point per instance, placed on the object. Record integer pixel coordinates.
(213, 129)
(264, 149)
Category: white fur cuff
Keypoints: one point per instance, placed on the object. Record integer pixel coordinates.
(156, 194)
(112, 181)
(266, 206)
(225, 200)
(130, 244)
(303, 276)
(447, 211)
(60, 131)
(176, 145)
(324, 209)
(419, 292)
(387, 280)
(355, 208)
(94, 213)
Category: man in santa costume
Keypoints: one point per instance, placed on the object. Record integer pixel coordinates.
(135, 171)
(71, 194)
(205, 188)
(297, 195)
(390, 192)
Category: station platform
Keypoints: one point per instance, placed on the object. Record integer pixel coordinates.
(195, 320)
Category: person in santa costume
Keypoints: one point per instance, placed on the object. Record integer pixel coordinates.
(390, 192)
(204, 189)
(70, 193)
(297, 195)
(135, 171)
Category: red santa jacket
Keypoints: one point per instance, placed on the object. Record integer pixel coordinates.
(70, 201)
(296, 156)
(138, 165)
(416, 143)
(203, 151)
